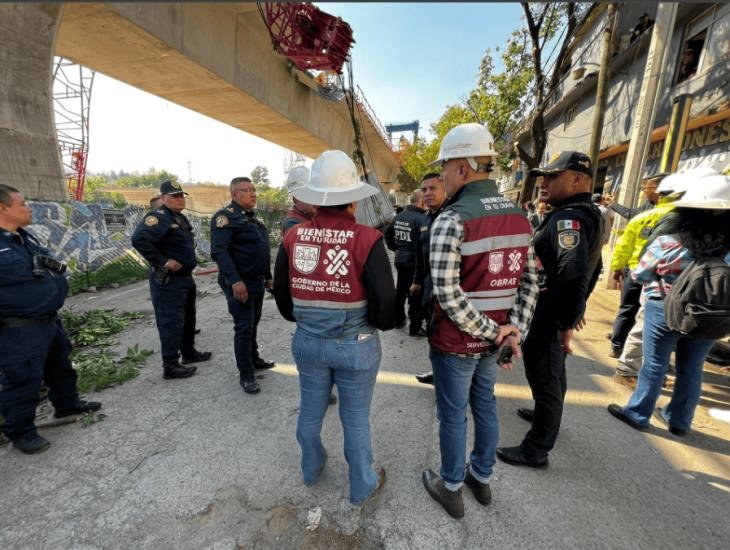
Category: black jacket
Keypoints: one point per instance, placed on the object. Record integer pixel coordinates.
(163, 235)
(402, 235)
(568, 246)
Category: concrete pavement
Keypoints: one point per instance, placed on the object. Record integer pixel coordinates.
(197, 463)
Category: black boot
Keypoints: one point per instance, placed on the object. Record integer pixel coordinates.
(80, 406)
(176, 370)
(196, 357)
(450, 500)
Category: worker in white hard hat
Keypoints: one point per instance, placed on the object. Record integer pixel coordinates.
(626, 254)
(333, 277)
(699, 229)
(300, 211)
(485, 288)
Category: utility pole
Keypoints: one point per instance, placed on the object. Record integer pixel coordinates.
(643, 124)
(600, 109)
(645, 113)
(675, 134)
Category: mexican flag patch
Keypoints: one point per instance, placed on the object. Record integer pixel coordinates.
(568, 224)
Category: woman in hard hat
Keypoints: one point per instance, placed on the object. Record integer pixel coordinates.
(333, 277)
(700, 228)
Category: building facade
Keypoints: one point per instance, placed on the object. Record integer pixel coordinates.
(698, 63)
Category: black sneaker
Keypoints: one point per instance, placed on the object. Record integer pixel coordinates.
(196, 357)
(31, 443)
(176, 370)
(79, 407)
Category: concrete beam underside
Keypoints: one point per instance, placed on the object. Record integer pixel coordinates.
(215, 59)
(29, 156)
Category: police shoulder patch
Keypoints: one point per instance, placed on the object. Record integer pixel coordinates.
(221, 221)
(151, 221)
(568, 239)
(568, 224)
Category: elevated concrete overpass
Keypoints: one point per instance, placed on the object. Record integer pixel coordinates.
(215, 59)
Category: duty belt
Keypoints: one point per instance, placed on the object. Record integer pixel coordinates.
(18, 322)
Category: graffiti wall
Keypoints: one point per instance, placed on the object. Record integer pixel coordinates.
(87, 236)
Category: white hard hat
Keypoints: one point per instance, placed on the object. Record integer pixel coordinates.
(710, 190)
(297, 178)
(466, 141)
(676, 184)
(332, 181)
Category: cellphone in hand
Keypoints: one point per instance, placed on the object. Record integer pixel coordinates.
(505, 355)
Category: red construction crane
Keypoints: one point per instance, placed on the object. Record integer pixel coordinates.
(310, 38)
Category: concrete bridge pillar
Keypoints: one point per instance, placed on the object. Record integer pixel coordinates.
(29, 156)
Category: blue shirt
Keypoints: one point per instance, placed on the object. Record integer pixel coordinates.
(23, 293)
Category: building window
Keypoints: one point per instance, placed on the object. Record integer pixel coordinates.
(693, 50)
(569, 117)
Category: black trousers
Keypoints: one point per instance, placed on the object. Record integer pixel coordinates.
(174, 303)
(544, 361)
(415, 313)
(31, 355)
(627, 310)
(246, 316)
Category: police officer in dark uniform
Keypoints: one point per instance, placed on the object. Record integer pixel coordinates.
(239, 243)
(568, 246)
(165, 239)
(434, 198)
(402, 236)
(34, 345)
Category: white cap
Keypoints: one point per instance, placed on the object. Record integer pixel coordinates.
(333, 180)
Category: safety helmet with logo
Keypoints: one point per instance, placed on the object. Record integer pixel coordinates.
(466, 141)
(711, 190)
(297, 178)
(333, 180)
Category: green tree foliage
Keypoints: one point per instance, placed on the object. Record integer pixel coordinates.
(415, 163)
(550, 24)
(513, 99)
(260, 175)
(151, 178)
(93, 194)
(271, 198)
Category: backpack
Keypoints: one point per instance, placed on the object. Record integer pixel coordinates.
(698, 305)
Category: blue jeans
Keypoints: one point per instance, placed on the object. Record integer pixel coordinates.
(352, 365)
(462, 381)
(659, 342)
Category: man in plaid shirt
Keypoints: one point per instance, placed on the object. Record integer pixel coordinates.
(485, 289)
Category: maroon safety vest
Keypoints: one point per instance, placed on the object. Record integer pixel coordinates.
(327, 257)
(493, 258)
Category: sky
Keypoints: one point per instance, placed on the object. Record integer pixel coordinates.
(411, 60)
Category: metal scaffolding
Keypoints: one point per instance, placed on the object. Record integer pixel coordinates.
(71, 98)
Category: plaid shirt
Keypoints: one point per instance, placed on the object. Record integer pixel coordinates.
(447, 234)
(665, 257)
